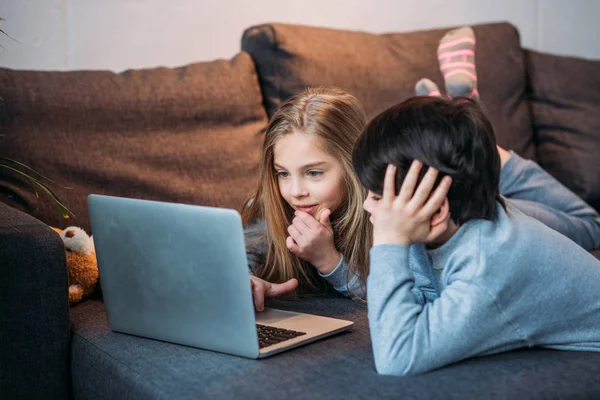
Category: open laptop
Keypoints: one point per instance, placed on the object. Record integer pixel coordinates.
(179, 273)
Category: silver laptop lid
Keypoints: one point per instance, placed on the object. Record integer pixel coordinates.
(175, 272)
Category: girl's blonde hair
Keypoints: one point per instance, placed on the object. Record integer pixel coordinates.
(336, 119)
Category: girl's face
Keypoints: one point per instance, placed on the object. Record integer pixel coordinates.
(310, 180)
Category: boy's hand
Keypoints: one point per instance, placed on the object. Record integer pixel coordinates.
(312, 240)
(262, 289)
(406, 218)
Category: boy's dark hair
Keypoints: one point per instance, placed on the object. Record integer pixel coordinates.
(453, 136)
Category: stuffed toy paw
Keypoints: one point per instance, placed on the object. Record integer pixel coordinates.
(81, 262)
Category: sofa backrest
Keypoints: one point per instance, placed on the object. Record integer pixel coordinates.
(382, 70)
(190, 134)
(564, 95)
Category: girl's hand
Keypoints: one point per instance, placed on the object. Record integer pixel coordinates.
(406, 218)
(312, 240)
(262, 289)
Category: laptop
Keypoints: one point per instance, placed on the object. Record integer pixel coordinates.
(178, 273)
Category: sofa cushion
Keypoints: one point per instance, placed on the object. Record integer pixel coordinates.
(564, 95)
(105, 364)
(190, 134)
(382, 70)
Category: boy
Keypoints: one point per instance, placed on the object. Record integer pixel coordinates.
(505, 280)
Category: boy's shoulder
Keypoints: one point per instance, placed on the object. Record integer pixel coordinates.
(513, 241)
(523, 236)
(511, 231)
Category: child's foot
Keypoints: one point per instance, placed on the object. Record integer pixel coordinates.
(426, 87)
(456, 55)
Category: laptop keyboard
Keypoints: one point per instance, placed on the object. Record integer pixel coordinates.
(270, 335)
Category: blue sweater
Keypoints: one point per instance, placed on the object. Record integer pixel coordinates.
(502, 285)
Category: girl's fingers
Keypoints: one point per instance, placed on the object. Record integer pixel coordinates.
(278, 289)
(294, 233)
(306, 219)
(258, 295)
(292, 245)
(410, 182)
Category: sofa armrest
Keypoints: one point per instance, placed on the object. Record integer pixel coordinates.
(34, 309)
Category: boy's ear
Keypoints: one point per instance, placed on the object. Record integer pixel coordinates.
(440, 220)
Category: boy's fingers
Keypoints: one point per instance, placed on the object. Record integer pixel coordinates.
(425, 186)
(410, 182)
(389, 191)
(437, 198)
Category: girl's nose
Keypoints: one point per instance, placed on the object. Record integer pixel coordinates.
(298, 189)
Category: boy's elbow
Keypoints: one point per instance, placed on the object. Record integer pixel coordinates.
(392, 367)
(386, 363)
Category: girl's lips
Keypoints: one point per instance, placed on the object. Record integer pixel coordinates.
(308, 210)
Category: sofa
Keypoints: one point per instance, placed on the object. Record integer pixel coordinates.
(192, 135)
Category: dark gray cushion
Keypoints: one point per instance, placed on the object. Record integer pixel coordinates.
(34, 309)
(564, 95)
(190, 135)
(382, 70)
(113, 365)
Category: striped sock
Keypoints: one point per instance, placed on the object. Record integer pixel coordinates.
(456, 56)
(426, 87)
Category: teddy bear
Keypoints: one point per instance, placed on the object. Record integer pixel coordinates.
(81, 262)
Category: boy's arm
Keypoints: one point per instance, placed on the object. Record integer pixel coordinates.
(411, 338)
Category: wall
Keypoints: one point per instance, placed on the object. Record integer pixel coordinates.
(122, 34)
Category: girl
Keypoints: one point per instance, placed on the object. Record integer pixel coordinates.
(306, 221)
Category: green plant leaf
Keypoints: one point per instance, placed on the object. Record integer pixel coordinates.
(37, 195)
(63, 209)
(11, 161)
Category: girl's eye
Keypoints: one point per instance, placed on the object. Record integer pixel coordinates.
(282, 174)
(375, 198)
(314, 174)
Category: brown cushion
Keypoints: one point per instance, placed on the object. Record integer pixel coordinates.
(382, 70)
(190, 134)
(564, 96)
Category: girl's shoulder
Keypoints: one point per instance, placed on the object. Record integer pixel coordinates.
(255, 227)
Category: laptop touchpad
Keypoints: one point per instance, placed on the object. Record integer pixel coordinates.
(271, 316)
